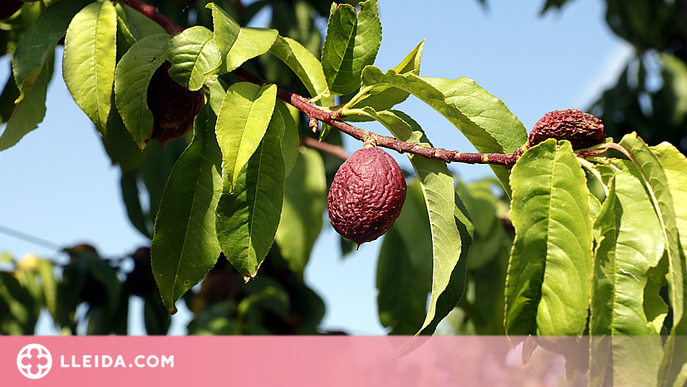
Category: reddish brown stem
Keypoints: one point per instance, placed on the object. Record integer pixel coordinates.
(325, 116)
(334, 150)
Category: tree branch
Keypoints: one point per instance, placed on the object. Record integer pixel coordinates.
(314, 112)
(334, 150)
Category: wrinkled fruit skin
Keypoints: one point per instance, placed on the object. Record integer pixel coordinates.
(581, 129)
(366, 195)
(174, 107)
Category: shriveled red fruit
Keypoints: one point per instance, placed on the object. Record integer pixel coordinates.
(366, 195)
(581, 129)
(174, 107)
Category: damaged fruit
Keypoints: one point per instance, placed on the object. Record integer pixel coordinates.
(366, 195)
(174, 107)
(581, 129)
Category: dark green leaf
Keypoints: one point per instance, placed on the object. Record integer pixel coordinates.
(30, 111)
(451, 228)
(185, 245)
(404, 270)
(305, 198)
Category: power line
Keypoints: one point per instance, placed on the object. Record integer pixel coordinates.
(29, 238)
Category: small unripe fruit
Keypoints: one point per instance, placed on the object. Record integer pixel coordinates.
(581, 129)
(366, 195)
(174, 107)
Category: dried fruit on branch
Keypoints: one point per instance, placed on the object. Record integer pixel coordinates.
(174, 107)
(366, 195)
(581, 129)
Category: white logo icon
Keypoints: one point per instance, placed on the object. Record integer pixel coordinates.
(34, 361)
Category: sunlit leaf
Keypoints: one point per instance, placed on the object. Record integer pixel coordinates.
(657, 183)
(304, 65)
(241, 124)
(89, 60)
(385, 98)
(460, 94)
(620, 275)
(352, 42)
(36, 45)
(192, 54)
(549, 276)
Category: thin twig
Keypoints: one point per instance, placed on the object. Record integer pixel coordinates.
(334, 150)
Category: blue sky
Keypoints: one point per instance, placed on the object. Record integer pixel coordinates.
(58, 184)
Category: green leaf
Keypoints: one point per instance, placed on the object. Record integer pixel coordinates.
(620, 276)
(129, 185)
(185, 245)
(251, 42)
(241, 123)
(451, 228)
(9, 94)
(226, 30)
(305, 66)
(675, 79)
(248, 215)
(657, 183)
(37, 44)
(192, 54)
(549, 274)
(404, 269)
(305, 199)
(485, 138)
(30, 111)
(132, 76)
(89, 60)
(488, 113)
(46, 270)
(290, 143)
(674, 365)
(20, 318)
(351, 43)
(385, 98)
(138, 24)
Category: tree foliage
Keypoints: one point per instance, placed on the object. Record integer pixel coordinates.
(578, 250)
